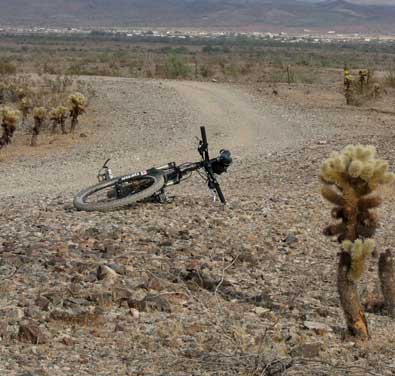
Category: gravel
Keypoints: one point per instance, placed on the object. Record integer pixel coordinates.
(190, 287)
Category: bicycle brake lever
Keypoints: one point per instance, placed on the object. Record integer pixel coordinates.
(105, 163)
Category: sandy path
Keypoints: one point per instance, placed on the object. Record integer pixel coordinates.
(239, 118)
(145, 123)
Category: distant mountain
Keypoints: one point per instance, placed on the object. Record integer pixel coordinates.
(242, 14)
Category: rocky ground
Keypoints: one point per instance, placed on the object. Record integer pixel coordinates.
(191, 287)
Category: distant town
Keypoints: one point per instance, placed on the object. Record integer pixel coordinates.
(306, 36)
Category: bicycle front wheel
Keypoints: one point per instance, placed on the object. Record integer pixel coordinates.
(119, 192)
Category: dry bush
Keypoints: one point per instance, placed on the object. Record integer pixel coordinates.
(389, 79)
(6, 67)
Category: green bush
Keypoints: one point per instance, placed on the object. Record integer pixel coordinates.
(176, 67)
(7, 68)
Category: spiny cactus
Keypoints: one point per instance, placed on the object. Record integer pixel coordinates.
(9, 120)
(78, 104)
(359, 251)
(25, 106)
(364, 77)
(348, 81)
(351, 179)
(39, 114)
(58, 116)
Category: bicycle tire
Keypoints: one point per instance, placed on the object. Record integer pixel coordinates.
(158, 181)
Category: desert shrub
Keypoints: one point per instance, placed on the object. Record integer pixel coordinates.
(389, 78)
(232, 70)
(7, 68)
(176, 67)
(206, 70)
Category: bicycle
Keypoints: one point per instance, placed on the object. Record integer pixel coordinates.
(114, 193)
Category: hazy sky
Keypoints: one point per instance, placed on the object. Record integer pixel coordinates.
(390, 2)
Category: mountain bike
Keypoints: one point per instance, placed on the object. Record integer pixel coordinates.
(113, 193)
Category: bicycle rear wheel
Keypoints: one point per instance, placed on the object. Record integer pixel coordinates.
(119, 192)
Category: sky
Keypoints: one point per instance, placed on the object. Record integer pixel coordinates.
(388, 2)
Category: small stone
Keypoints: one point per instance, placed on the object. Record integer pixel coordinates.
(135, 313)
(30, 332)
(68, 341)
(43, 303)
(150, 303)
(261, 311)
(308, 350)
(290, 239)
(11, 314)
(317, 327)
(106, 274)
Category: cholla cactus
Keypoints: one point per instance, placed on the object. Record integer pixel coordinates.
(25, 106)
(348, 80)
(78, 104)
(351, 179)
(9, 120)
(21, 93)
(364, 77)
(39, 114)
(58, 116)
(360, 250)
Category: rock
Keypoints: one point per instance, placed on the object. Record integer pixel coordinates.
(119, 269)
(30, 332)
(317, 327)
(135, 313)
(121, 294)
(68, 341)
(308, 350)
(261, 311)
(290, 239)
(150, 303)
(78, 315)
(105, 273)
(102, 299)
(43, 303)
(11, 314)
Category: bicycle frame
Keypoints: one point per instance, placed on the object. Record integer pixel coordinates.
(174, 174)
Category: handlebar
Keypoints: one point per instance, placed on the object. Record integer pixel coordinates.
(203, 145)
(215, 166)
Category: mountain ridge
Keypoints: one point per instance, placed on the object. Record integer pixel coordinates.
(242, 14)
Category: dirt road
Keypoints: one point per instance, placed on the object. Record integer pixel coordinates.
(144, 123)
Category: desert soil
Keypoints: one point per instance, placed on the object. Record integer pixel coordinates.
(191, 287)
